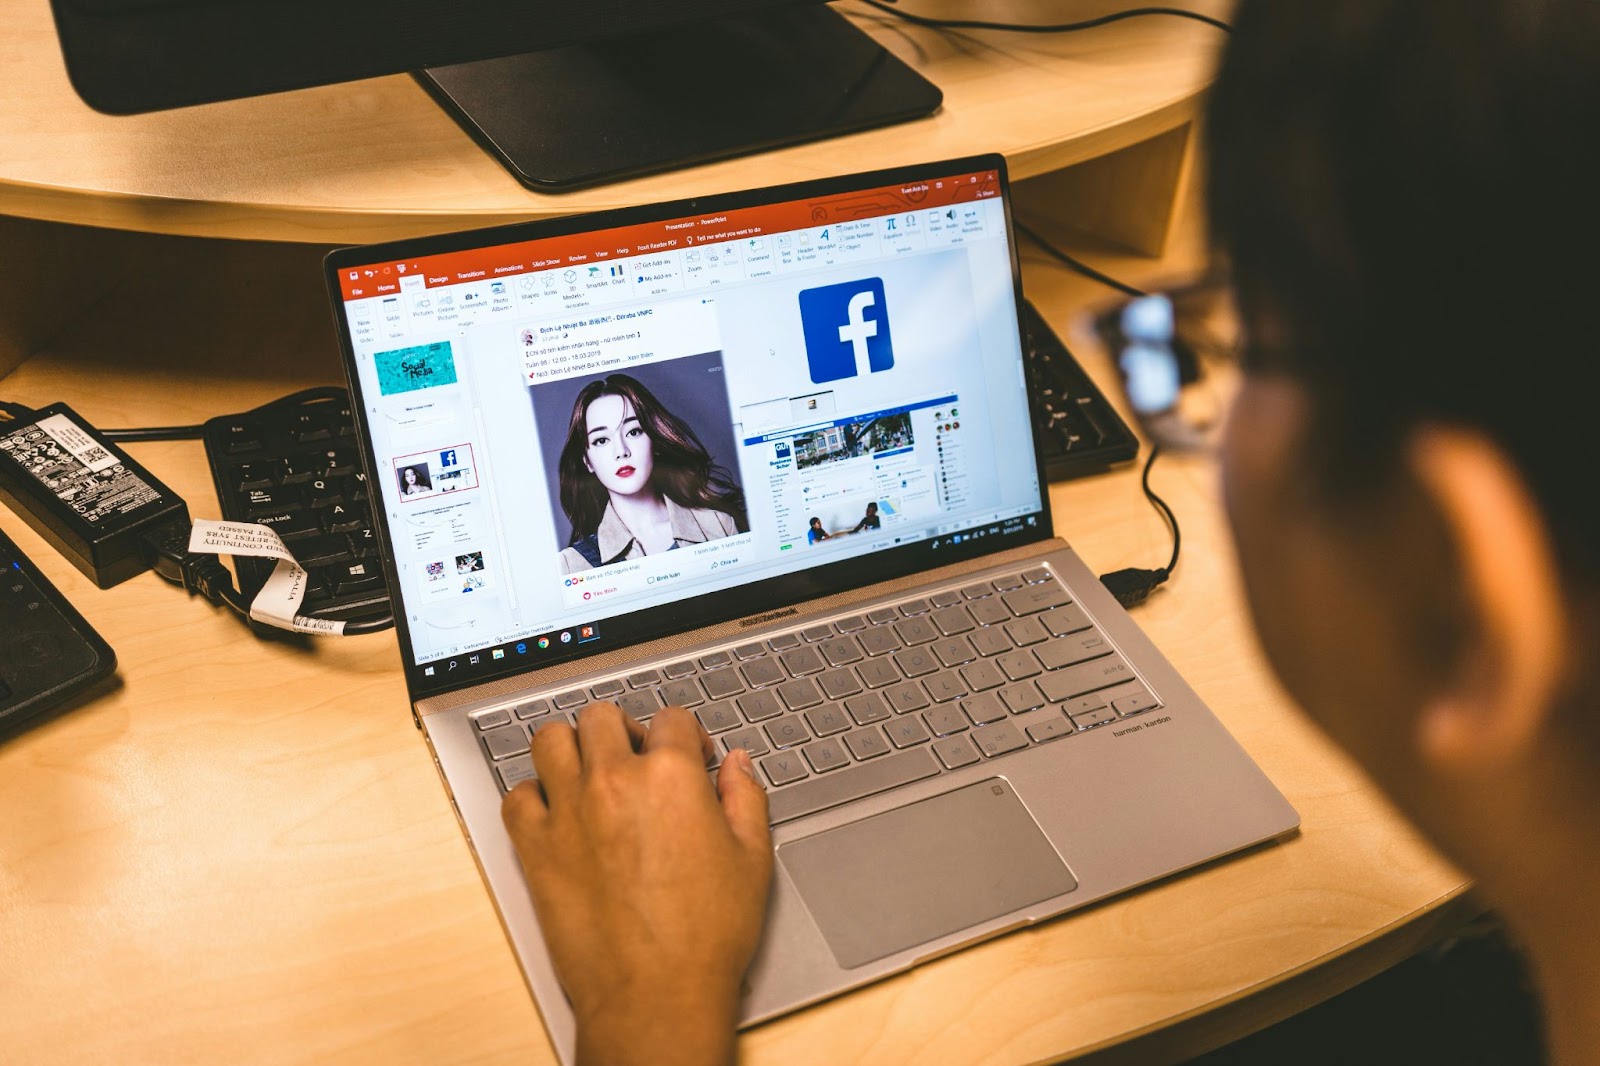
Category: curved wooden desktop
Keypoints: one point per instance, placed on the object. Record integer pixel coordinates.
(242, 853)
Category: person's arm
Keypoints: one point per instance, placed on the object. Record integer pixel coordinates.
(650, 885)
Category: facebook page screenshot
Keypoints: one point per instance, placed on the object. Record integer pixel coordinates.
(581, 427)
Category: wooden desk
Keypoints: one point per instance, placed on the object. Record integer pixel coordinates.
(243, 852)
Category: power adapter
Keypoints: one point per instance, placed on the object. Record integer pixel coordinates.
(81, 492)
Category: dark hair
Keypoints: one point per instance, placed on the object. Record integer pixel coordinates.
(1405, 193)
(684, 472)
(816, 521)
(422, 476)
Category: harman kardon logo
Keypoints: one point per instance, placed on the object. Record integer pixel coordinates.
(755, 620)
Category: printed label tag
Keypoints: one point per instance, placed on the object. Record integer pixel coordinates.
(278, 602)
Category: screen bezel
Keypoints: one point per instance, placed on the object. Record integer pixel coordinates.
(693, 612)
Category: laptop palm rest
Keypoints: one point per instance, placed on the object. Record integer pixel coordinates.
(932, 868)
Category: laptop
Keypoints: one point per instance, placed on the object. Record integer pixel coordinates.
(770, 455)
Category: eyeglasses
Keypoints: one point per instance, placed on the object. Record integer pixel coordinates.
(1174, 349)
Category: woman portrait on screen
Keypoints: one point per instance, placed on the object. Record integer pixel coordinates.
(636, 481)
(414, 481)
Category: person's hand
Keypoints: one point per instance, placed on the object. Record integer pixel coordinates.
(650, 885)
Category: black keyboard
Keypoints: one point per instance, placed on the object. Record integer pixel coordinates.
(1082, 433)
(293, 465)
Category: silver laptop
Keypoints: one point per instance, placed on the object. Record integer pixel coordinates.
(771, 456)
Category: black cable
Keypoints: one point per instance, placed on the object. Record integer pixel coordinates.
(155, 433)
(1059, 27)
(1073, 263)
(326, 393)
(1133, 585)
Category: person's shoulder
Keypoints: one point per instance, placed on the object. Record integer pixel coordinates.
(709, 518)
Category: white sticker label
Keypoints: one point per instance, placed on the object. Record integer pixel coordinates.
(278, 602)
(83, 447)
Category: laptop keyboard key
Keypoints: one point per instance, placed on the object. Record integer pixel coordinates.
(759, 706)
(720, 684)
(955, 651)
(826, 755)
(1036, 598)
(750, 651)
(1010, 581)
(867, 744)
(639, 705)
(506, 742)
(984, 708)
(606, 690)
(677, 670)
(956, 752)
(1135, 703)
(567, 700)
(492, 719)
(989, 612)
(513, 771)
(906, 732)
(645, 678)
(1086, 677)
(1021, 697)
(1078, 648)
(999, 739)
(715, 660)
(719, 717)
(749, 739)
(867, 708)
(783, 642)
(683, 693)
(953, 620)
(853, 782)
(798, 695)
(816, 633)
(803, 661)
(1019, 665)
(787, 732)
(915, 662)
(827, 720)
(762, 672)
(944, 721)
(990, 642)
(906, 697)
(839, 683)
(841, 651)
(1093, 718)
(1025, 631)
(879, 641)
(1064, 620)
(982, 675)
(916, 631)
(784, 768)
(877, 673)
(945, 687)
(1049, 729)
(945, 599)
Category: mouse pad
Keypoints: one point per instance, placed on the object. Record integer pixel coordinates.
(923, 871)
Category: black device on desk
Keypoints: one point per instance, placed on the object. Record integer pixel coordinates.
(562, 94)
(293, 465)
(48, 653)
(1080, 432)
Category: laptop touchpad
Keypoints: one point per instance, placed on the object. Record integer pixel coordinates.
(926, 870)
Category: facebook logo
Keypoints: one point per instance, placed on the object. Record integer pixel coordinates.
(847, 330)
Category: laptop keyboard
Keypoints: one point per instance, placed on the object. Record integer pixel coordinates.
(838, 710)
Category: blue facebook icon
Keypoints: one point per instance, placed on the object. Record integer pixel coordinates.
(846, 326)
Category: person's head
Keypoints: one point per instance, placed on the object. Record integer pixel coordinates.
(816, 523)
(872, 508)
(621, 441)
(409, 475)
(1404, 194)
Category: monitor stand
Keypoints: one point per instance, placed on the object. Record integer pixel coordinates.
(592, 113)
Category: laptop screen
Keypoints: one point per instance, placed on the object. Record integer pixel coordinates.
(587, 432)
